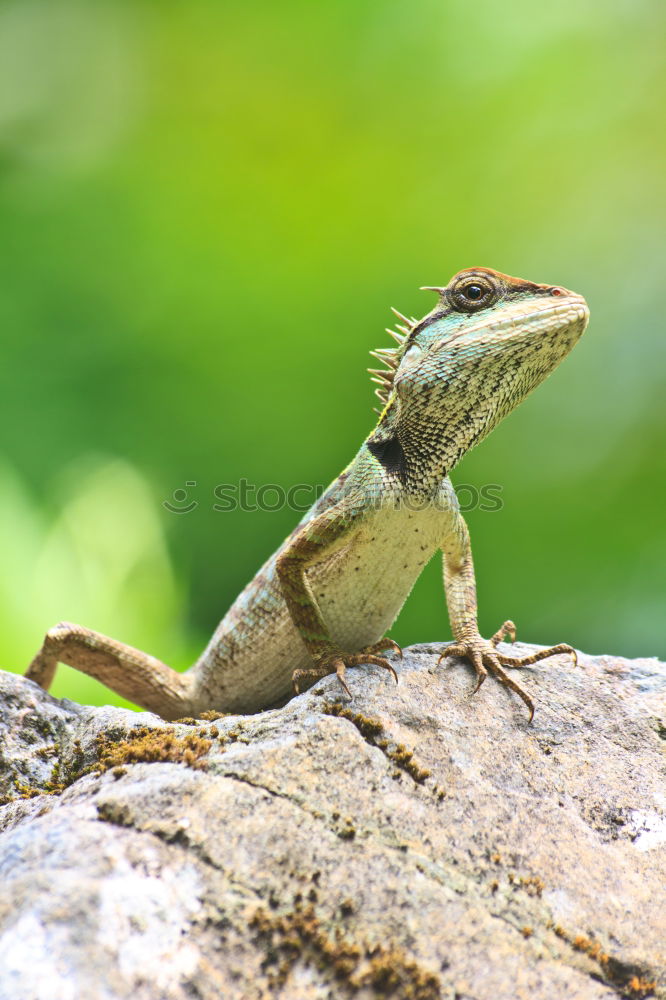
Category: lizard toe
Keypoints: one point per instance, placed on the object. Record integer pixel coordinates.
(507, 629)
(543, 654)
(356, 659)
(383, 645)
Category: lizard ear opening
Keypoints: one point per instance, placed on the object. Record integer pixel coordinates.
(410, 358)
(406, 381)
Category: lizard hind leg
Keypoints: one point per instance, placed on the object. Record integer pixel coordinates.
(134, 675)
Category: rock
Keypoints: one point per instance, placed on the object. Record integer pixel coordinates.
(415, 843)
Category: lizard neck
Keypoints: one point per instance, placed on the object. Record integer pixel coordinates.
(419, 455)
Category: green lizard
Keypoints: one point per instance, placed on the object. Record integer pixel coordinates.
(324, 600)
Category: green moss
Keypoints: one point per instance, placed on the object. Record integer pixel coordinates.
(112, 752)
(404, 759)
(151, 746)
(368, 727)
(371, 730)
(24, 792)
(632, 981)
(297, 936)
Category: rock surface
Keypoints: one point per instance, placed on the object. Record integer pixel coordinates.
(415, 843)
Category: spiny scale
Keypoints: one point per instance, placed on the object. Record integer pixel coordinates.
(388, 356)
(390, 353)
(409, 323)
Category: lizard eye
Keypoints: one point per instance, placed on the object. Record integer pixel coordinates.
(470, 293)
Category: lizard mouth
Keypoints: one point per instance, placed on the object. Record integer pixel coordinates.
(523, 319)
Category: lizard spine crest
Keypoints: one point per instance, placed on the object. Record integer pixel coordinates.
(388, 356)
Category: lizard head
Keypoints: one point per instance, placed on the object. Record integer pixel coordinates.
(489, 341)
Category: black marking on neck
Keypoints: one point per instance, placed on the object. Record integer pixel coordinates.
(390, 454)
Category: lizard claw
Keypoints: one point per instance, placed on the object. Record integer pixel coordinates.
(382, 645)
(341, 671)
(486, 658)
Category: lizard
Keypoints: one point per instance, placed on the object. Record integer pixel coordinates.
(324, 601)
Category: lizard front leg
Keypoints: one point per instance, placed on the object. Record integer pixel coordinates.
(320, 538)
(460, 587)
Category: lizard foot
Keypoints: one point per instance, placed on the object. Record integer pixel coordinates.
(485, 658)
(337, 663)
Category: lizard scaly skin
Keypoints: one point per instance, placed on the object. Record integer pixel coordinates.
(325, 599)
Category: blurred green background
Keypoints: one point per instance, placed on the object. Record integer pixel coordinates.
(206, 210)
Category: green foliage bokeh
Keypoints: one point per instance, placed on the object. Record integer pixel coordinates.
(206, 210)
